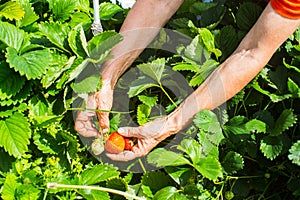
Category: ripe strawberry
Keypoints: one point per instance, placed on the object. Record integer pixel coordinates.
(115, 143)
(128, 143)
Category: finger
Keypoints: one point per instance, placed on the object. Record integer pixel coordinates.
(123, 156)
(103, 120)
(130, 131)
(81, 128)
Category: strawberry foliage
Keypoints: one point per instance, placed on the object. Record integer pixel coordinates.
(241, 150)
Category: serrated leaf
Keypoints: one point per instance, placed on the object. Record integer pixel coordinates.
(108, 10)
(186, 67)
(227, 41)
(90, 84)
(208, 121)
(32, 64)
(153, 69)
(148, 100)
(27, 191)
(237, 125)
(8, 112)
(15, 133)
(13, 37)
(161, 157)
(170, 193)
(286, 120)
(150, 179)
(195, 50)
(294, 155)
(62, 9)
(271, 146)
(143, 112)
(10, 186)
(10, 82)
(101, 44)
(97, 173)
(192, 148)
(257, 126)
(293, 88)
(43, 143)
(57, 33)
(181, 175)
(117, 183)
(77, 41)
(247, 15)
(139, 85)
(29, 17)
(19, 97)
(232, 162)
(205, 70)
(209, 41)
(209, 167)
(12, 10)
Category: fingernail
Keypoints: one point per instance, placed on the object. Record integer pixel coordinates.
(120, 130)
(105, 130)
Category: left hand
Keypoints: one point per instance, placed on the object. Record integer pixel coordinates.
(148, 136)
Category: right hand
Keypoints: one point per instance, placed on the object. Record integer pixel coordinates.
(100, 100)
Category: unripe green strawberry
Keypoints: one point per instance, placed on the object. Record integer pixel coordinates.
(97, 146)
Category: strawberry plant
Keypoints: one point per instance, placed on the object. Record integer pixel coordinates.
(248, 148)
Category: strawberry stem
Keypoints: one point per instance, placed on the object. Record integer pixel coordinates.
(53, 185)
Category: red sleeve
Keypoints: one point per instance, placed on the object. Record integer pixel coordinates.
(287, 8)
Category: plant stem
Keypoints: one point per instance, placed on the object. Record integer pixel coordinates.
(163, 89)
(85, 187)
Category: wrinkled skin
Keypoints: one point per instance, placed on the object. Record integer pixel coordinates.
(101, 100)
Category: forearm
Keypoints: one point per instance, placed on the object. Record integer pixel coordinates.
(142, 24)
(239, 69)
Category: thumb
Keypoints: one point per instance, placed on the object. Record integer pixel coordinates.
(103, 119)
(130, 131)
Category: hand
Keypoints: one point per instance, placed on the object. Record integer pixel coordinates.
(148, 136)
(101, 100)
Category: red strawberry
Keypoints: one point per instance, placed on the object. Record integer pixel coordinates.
(115, 143)
(128, 143)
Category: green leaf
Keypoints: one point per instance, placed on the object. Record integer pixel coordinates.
(10, 82)
(237, 125)
(57, 33)
(195, 50)
(247, 15)
(153, 69)
(94, 194)
(83, 5)
(8, 112)
(29, 17)
(205, 70)
(97, 174)
(294, 155)
(257, 126)
(181, 175)
(208, 121)
(161, 158)
(148, 100)
(10, 186)
(77, 41)
(108, 10)
(139, 85)
(13, 37)
(209, 167)
(15, 134)
(212, 17)
(209, 41)
(143, 113)
(271, 146)
(19, 97)
(12, 10)
(62, 9)
(232, 162)
(293, 88)
(192, 148)
(90, 84)
(227, 41)
(27, 191)
(117, 183)
(100, 45)
(150, 179)
(186, 67)
(32, 64)
(284, 122)
(170, 193)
